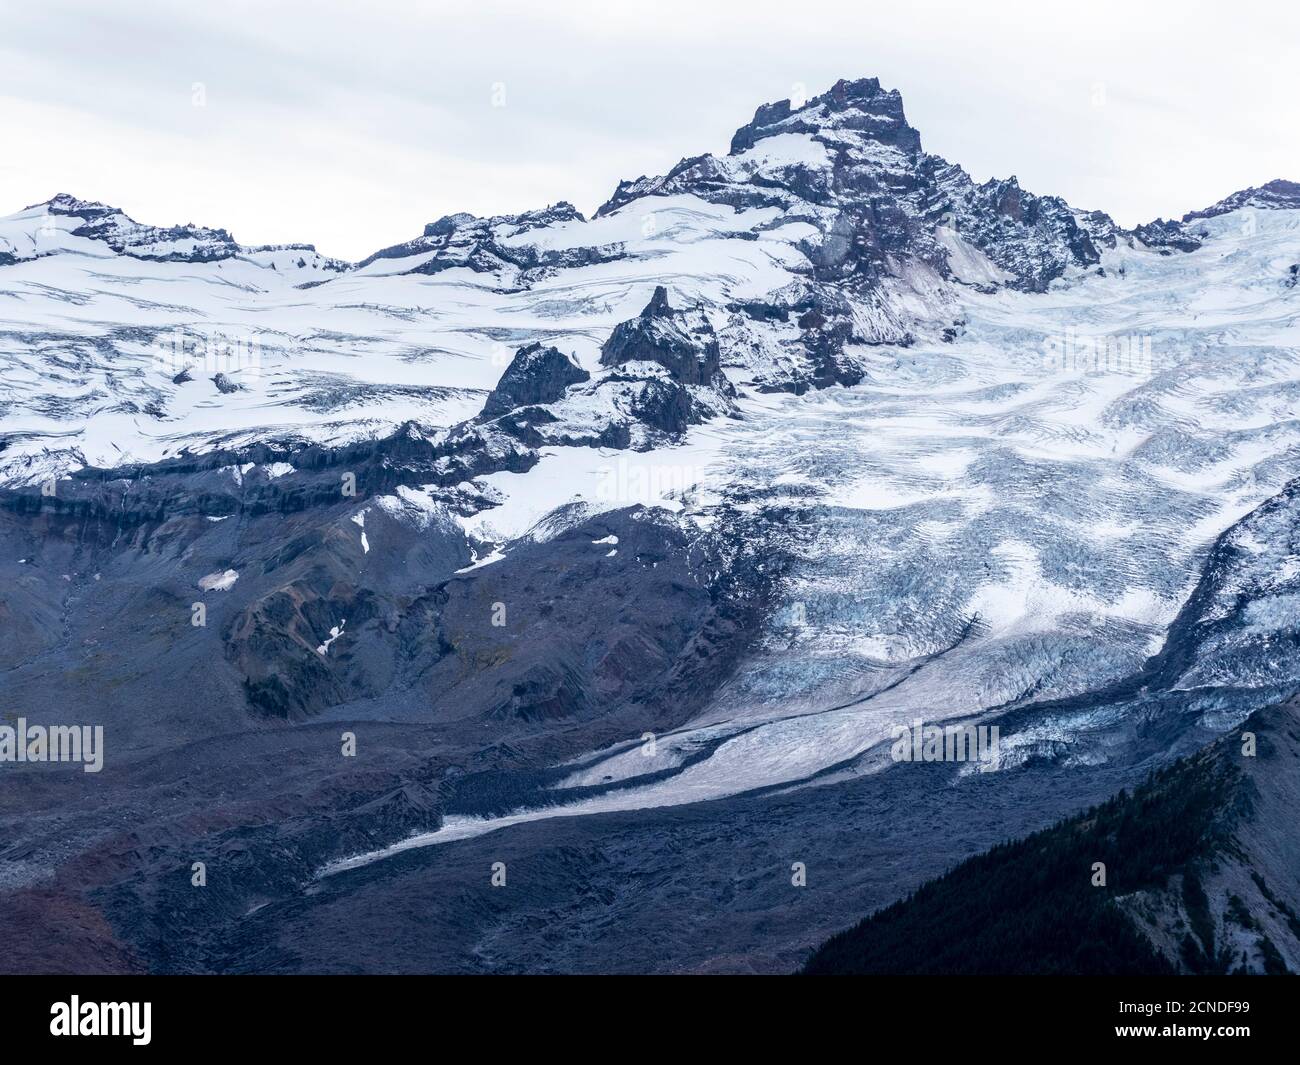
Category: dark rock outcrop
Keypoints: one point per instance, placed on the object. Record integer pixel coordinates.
(1167, 236)
(1276, 195)
(683, 342)
(860, 105)
(1186, 236)
(1034, 238)
(537, 374)
(125, 236)
(485, 245)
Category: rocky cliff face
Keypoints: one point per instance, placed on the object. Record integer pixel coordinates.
(683, 343)
(537, 374)
(849, 163)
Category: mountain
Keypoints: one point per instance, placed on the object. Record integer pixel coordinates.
(65, 225)
(1274, 196)
(620, 547)
(1199, 877)
(825, 232)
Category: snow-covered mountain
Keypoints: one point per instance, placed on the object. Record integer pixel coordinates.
(775, 451)
(825, 229)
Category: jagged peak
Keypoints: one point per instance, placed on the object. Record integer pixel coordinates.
(483, 244)
(563, 211)
(857, 114)
(66, 203)
(658, 307)
(860, 105)
(449, 223)
(187, 242)
(539, 373)
(1276, 195)
(114, 227)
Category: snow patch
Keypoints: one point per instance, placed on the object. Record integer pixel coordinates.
(221, 581)
(335, 633)
(360, 520)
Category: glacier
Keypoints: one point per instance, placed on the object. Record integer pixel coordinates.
(1017, 463)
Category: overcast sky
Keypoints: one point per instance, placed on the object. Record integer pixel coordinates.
(351, 125)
